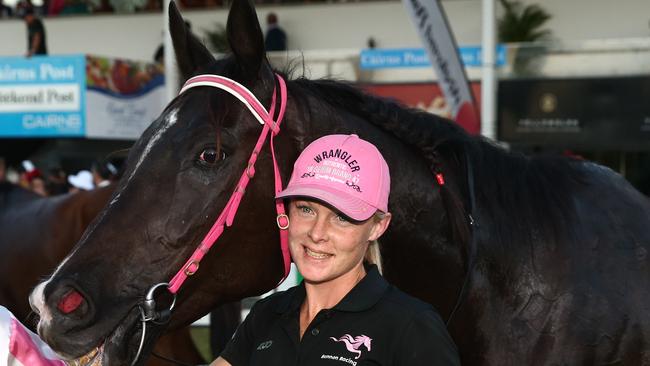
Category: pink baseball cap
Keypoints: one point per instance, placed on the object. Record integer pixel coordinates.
(344, 171)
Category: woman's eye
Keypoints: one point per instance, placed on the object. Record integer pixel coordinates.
(341, 218)
(211, 156)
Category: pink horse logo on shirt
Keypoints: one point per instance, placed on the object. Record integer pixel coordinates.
(353, 344)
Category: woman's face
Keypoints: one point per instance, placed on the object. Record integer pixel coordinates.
(326, 246)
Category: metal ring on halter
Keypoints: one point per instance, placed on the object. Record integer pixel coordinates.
(187, 269)
(277, 220)
(150, 303)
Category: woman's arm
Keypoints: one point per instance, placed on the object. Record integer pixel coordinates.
(425, 342)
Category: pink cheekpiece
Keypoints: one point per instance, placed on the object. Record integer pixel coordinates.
(344, 171)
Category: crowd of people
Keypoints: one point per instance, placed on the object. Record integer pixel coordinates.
(55, 180)
(75, 7)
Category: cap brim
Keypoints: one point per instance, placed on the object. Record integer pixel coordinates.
(350, 206)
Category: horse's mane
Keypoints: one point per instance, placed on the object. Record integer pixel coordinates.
(537, 189)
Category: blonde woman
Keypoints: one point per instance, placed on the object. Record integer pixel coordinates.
(344, 312)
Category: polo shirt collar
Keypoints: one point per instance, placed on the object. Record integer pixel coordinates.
(364, 295)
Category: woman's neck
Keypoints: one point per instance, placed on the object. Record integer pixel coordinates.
(326, 295)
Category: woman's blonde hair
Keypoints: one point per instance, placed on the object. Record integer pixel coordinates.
(373, 254)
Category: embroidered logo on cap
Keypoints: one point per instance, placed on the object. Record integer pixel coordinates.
(335, 165)
(354, 344)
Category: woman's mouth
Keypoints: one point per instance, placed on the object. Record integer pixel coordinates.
(316, 255)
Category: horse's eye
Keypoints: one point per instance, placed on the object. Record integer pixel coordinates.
(211, 156)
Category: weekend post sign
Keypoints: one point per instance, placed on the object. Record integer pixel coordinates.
(42, 96)
(78, 96)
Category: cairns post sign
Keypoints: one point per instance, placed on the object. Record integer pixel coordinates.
(78, 96)
(42, 96)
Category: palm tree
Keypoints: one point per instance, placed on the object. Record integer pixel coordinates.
(522, 23)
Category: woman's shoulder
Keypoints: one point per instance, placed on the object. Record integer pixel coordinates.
(403, 303)
(280, 301)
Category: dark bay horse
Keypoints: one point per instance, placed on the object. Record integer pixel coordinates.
(531, 260)
(36, 233)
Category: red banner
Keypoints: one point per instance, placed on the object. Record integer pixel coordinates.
(425, 96)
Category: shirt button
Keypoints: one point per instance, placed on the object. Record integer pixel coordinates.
(315, 331)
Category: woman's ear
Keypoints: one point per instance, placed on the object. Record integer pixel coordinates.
(379, 226)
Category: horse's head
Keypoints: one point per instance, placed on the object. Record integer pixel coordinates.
(179, 176)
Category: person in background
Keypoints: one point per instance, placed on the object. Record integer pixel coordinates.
(37, 185)
(32, 179)
(21, 6)
(104, 173)
(36, 39)
(276, 38)
(6, 11)
(56, 181)
(82, 181)
(344, 310)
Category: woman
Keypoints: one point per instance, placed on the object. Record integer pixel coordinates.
(344, 312)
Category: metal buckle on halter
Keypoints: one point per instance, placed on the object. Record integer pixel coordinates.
(280, 225)
(188, 271)
(250, 169)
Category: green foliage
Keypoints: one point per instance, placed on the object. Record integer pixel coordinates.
(217, 39)
(522, 23)
(201, 338)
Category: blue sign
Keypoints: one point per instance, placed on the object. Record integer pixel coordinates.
(42, 96)
(417, 57)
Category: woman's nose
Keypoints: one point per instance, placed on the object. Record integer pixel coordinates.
(318, 231)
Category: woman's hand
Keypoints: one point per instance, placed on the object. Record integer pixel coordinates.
(220, 362)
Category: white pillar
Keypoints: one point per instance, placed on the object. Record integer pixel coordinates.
(171, 77)
(488, 77)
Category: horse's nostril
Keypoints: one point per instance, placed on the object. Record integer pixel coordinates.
(70, 302)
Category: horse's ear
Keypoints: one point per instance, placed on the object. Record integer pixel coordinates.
(191, 54)
(246, 38)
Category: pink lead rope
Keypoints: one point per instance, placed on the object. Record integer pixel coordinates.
(228, 214)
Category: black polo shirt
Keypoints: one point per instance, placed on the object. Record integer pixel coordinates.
(374, 324)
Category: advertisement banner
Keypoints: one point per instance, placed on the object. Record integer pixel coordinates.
(385, 58)
(124, 97)
(42, 96)
(425, 96)
(436, 36)
(585, 113)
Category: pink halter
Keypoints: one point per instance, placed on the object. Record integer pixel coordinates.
(228, 214)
